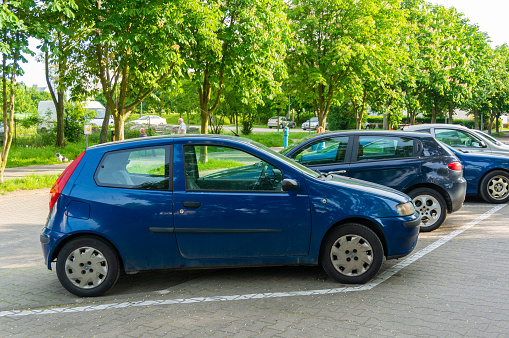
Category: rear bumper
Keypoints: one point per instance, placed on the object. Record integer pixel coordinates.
(457, 191)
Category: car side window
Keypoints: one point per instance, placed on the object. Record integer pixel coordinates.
(457, 138)
(323, 151)
(227, 169)
(384, 147)
(141, 168)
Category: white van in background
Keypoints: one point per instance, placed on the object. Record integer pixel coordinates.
(48, 113)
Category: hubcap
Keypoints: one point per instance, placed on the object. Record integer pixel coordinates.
(351, 255)
(86, 267)
(498, 187)
(429, 209)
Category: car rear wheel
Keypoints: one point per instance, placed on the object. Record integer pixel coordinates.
(352, 254)
(87, 267)
(431, 206)
(494, 187)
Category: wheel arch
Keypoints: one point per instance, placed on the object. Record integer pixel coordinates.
(438, 189)
(66, 240)
(359, 220)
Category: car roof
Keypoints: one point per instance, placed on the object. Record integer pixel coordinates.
(199, 137)
(436, 125)
(375, 132)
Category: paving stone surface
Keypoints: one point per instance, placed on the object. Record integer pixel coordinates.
(461, 288)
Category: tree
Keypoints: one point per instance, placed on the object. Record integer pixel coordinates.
(341, 50)
(237, 42)
(14, 42)
(130, 48)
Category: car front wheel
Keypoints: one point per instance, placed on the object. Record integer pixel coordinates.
(352, 254)
(87, 267)
(494, 187)
(431, 207)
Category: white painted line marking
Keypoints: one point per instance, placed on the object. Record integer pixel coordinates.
(368, 286)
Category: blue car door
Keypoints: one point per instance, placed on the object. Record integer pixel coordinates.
(386, 160)
(229, 203)
(325, 154)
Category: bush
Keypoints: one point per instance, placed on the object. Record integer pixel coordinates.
(340, 118)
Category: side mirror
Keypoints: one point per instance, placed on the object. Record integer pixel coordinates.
(289, 184)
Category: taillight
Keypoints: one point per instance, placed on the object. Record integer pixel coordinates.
(455, 166)
(59, 185)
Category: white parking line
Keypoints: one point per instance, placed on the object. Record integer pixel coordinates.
(368, 286)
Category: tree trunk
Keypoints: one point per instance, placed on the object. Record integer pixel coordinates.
(8, 122)
(476, 118)
(103, 138)
(451, 112)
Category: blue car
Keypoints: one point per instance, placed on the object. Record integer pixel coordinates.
(199, 201)
(414, 163)
(487, 174)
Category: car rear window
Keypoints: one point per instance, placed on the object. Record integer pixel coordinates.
(144, 168)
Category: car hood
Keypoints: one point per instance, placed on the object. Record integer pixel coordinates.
(479, 155)
(367, 186)
(356, 197)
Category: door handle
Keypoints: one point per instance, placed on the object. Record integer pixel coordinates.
(191, 204)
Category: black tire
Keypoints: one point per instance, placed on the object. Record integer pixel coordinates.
(359, 262)
(100, 269)
(431, 206)
(270, 127)
(494, 187)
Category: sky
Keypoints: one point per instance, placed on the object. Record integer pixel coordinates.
(489, 15)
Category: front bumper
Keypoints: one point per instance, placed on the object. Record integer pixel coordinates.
(401, 235)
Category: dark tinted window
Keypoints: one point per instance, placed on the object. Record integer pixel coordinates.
(141, 168)
(331, 150)
(221, 169)
(384, 147)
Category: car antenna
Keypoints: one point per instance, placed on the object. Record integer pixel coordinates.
(234, 133)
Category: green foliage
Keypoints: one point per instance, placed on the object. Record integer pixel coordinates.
(341, 117)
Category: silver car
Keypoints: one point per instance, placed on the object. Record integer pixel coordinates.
(461, 137)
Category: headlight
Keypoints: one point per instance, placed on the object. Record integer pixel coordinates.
(406, 209)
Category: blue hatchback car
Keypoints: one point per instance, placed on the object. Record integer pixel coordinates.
(414, 163)
(202, 201)
(487, 174)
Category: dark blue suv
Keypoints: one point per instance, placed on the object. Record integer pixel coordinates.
(414, 163)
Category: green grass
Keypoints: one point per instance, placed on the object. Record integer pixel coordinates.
(272, 139)
(20, 156)
(29, 182)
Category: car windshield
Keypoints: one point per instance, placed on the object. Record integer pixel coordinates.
(314, 119)
(296, 144)
(489, 137)
(288, 161)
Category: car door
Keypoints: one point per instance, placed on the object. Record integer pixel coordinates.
(133, 202)
(326, 154)
(229, 203)
(460, 139)
(386, 160)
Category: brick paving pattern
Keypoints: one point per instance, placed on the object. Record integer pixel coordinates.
(459, 289)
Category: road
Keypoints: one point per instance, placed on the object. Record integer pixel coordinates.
(456, 283)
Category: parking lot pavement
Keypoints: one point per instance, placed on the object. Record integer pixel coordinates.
(455, 283)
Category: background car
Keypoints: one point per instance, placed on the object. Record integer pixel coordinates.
(214, 201)
(487, 174)
(150, 119)
(281, 122)
(313, 124)
(460, 137)
(414, 163)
